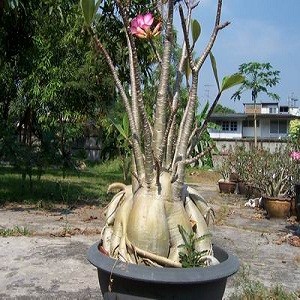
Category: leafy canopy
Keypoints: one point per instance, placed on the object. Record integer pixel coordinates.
(258, 78)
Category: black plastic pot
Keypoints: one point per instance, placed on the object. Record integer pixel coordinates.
(119, 280)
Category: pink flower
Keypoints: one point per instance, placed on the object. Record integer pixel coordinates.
(140, 26)
(295, 155)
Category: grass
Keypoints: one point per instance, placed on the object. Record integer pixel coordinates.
(84, 186)
(16, 231)
(247, 289)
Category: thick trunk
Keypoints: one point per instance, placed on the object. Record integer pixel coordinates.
(139, 111)
(136, 143)
(162, 96)
(185, 130)
(143, 227)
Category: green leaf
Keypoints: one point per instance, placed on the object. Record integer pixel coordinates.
(60, 12)
(203, 112)
(187, 69)
(214, 67)
(232, 80)
(196, 30)
(88, 9)
(121, 130)
(126, 125)
(203, 237)
(183, 234)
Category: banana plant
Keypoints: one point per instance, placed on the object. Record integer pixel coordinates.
(124, 144)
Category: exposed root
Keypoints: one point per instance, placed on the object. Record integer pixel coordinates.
(202, 234)
(106, 237)
(163, 261)
(111, 209)
(123, 226)
(120, 225)
(206, 211)
(149, 262)
(209, 260)
(116, 187)
(176, 214)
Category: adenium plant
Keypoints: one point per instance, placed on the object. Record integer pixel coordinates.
(294, 134)
(271, 173)
(140, 26)
(295, 156)
(143, 219)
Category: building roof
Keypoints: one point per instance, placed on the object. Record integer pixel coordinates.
(243, 116)
(231, 116)
(264, 103)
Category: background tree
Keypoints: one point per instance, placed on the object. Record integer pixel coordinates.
(294, 133)
(220, 109)
(52, 83)
(259, 77)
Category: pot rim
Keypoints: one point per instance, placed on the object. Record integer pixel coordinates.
(166, 274)
(277, 198)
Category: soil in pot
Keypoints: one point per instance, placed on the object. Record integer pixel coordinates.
(277, 207)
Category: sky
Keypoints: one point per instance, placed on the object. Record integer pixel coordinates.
(265, 31)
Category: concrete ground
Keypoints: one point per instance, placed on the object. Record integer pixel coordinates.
(51, 262)
(47, 268)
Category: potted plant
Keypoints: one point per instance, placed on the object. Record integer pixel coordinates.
(242, 165)
(158, 220)
(270, 173)
(294, 135)
(229, 180)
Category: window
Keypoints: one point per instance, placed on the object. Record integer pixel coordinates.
(225, 126)
(228, 125)
(273, 126)
(272, 110)
(233, 126)
(250, 123)
(284, 109)
(278, 126)
(282, 126)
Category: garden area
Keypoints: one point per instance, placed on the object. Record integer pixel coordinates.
(108, 174)
(58, 227)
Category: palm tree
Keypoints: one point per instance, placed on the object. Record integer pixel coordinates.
(258, 78)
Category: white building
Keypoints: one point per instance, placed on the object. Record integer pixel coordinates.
(272, 124)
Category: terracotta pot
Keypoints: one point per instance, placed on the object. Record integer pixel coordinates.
(120, 280)
(277, 207)
(227, 187)
(297, 200)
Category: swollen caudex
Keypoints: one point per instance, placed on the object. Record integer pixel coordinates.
(176, 214)
(143, 227)
(203, 243)
(206, 211)
(147, 225)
